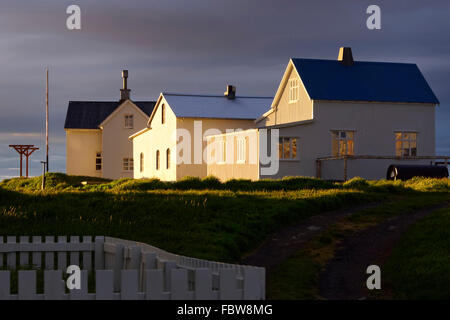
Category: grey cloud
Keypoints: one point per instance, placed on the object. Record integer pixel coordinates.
(197, 46)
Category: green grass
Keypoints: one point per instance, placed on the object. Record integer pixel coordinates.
(203, 218)
(294, 279)
(419, 265)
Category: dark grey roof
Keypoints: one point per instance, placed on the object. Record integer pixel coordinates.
(90, 114)
(364, 81)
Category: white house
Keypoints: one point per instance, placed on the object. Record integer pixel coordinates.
(373, 113)
(173, 143)
(97, 135)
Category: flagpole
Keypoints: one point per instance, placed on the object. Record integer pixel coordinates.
(46, 121)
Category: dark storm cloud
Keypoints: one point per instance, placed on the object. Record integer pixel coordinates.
(195, 46)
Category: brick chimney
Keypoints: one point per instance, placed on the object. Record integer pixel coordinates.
(345, 56)
(231, 92)
(124, 92)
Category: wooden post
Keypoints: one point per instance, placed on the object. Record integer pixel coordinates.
(26, 156)
(24, 149)
(21, 165)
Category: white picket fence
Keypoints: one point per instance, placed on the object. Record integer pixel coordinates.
(124, 270)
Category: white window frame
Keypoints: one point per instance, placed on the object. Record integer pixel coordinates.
(168, 158)
(340, 138)
(158, 160)
(403, 140)
(241, 148)
(141, 162)
(294, 90)
(291, 157)
(127, 164)
(128, 121)
(222, 152)
(98, 155)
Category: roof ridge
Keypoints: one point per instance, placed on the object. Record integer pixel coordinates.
(109, 101)
(356, 61)
(211, 96)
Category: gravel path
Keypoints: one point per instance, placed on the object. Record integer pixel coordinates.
(344, 278)
(289, 240)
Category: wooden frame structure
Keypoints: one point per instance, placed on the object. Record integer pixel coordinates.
(446, 160)
(24, 150)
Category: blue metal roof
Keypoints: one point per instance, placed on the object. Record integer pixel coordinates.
(208, 106)
(364, 81)
(89, 114)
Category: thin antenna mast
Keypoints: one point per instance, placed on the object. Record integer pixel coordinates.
(46, 120)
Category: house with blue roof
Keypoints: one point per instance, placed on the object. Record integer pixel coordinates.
(338, 119)
(97, 135)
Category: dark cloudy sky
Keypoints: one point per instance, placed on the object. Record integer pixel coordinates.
(196, 47)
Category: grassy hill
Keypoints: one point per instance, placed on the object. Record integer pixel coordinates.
(200, 218)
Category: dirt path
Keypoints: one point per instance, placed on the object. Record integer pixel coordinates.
(289, 240)
(345, 276)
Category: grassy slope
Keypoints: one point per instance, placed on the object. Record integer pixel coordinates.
(298, 276)
(200, 218)
(211, 222)
(419, 265)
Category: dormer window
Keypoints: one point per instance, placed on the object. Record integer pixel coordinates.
(293, 90)
(128, 121)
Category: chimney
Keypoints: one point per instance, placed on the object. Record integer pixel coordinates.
(124, 92)
(231, 92)
(345, 56)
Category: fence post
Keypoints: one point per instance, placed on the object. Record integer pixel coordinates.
(135, 259)
(227, 284)
(62, 256)
(154, 284)
(5, 285)
(82, 293)
(27, 285)
(129, 286)
(104, 284)
(87, 256)
(75, 256)
(24, 256)
(53, 285)
(150, 260)
(252, 290)
(118, 266)
(11, 257)
(203, 284)
(49, 256)
(178, 284)
(99, 253)
(36, 257)
(168, 266)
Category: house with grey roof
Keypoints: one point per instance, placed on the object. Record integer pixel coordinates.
(337, 119)
(97, 134)
(172, 145)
